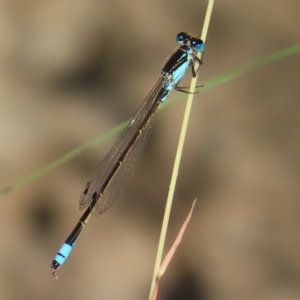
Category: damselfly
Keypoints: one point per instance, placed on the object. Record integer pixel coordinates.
(117, 166)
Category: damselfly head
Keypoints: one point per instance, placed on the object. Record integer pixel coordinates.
(183, 38)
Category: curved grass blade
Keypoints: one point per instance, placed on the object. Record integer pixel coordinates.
(116, 130)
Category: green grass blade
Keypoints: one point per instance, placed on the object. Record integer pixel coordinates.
(114, 131)
(238, 72)
(72, 154)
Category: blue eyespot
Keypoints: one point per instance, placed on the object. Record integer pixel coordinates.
(197, 44)
(182, 36)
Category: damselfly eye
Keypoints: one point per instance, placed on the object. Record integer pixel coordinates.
(197, 44)
(182, 36)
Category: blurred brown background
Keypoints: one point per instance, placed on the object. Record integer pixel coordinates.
(70, 71)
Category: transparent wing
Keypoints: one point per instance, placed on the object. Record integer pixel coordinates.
(125, 171)
(118, 165)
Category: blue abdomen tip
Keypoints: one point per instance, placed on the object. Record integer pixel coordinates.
(63, 253)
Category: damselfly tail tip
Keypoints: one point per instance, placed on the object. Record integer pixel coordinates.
(55, 275)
